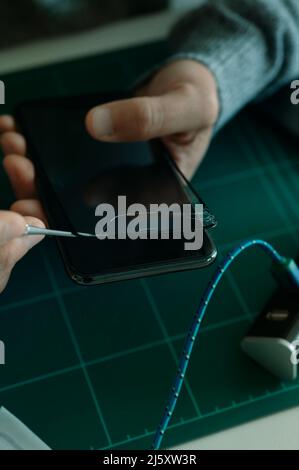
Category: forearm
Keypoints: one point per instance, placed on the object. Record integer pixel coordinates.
(251, 47)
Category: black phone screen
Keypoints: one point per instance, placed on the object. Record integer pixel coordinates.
(76, 174)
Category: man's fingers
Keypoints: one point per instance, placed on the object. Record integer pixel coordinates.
(12, 225)
(13, 142)
(31, 207)
(181, 110)
(14, 249)
(32, 240)
(7, 123)
(20, 171)
(189, 156)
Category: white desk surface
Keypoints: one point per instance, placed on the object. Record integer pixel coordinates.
(278, 431)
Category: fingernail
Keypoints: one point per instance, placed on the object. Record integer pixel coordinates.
(102, 122)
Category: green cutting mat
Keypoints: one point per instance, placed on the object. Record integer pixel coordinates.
(91, 367)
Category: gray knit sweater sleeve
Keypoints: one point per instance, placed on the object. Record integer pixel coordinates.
(251, 47)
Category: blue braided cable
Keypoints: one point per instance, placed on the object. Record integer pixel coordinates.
(195, 326)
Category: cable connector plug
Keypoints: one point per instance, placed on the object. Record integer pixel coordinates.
(286, 273)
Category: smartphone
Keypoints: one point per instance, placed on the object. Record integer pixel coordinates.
(75, 174)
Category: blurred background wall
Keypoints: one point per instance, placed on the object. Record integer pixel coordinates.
(36, 32)
(28, 20)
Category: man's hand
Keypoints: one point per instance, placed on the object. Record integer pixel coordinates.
(179, 105)
(20, 170)
(12, 245)
(12, 224)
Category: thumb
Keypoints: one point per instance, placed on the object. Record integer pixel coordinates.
(12, 225)
(183, 109)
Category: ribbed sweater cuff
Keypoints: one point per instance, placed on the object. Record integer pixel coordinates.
(234, 67)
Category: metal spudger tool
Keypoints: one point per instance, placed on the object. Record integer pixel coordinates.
(31, 230)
